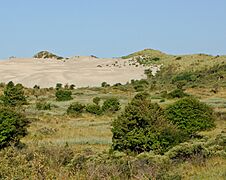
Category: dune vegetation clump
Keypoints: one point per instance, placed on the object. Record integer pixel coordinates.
(13, 95)
(111, 105)
(63, 95)
(43, 105)
(13, 126)
(190, 115)
(47, 55)
(75, 108)
(142, 127)
(94, 109)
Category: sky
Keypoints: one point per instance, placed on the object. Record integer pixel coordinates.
(111, 28)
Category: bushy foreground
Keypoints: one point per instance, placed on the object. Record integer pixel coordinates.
(64, 162)
(144, 126)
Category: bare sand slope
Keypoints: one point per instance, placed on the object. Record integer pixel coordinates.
(81, 71)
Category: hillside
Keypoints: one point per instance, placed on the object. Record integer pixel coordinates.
(47, 69)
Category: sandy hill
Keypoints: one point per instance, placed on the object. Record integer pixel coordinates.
(46, 69)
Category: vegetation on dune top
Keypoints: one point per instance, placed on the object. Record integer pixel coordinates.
(46, 54)
(146, 52)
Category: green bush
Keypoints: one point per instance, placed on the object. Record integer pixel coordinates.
(43, 106)
(12, 126)
(13, 95)
(142, 127)
(111, 105)
(36, 87)
(94, 109)
(105, 84)
(63, 95)
(186, 151)
(96, 100)
(185, 76)
(190, 115)
(177, 93)
(72, 86)
(59, 86)
(75, 108)
(138, 87)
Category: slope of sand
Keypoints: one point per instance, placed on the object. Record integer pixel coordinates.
(81, 71)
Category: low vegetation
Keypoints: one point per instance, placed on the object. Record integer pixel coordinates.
(168, 126)
(75, 108)
(111, 105)
(63, 95)
(46, 54)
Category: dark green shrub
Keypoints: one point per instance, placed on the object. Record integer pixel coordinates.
(94, 109)
(43, 106)
(96, 100)
(59, 86)
(117, 84)
(190, 115)
(177, 93)
(13, 95)
(138, 87)
(104, 84)
(75, 108)
(143, 82)
(12, 126)
(142, 127)
(155, 59)
(141, 96)
(63, 95)
(72, 86)
(178, 58)
(111, 105)
(36, 87)
(185, 76)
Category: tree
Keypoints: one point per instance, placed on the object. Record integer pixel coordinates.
(190, 115)
(12, 126)
(142, 127)
(63, 95)
(14, 95)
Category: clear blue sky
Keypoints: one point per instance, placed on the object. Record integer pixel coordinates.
(108, 28)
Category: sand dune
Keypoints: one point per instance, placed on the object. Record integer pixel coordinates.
(81, 71)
